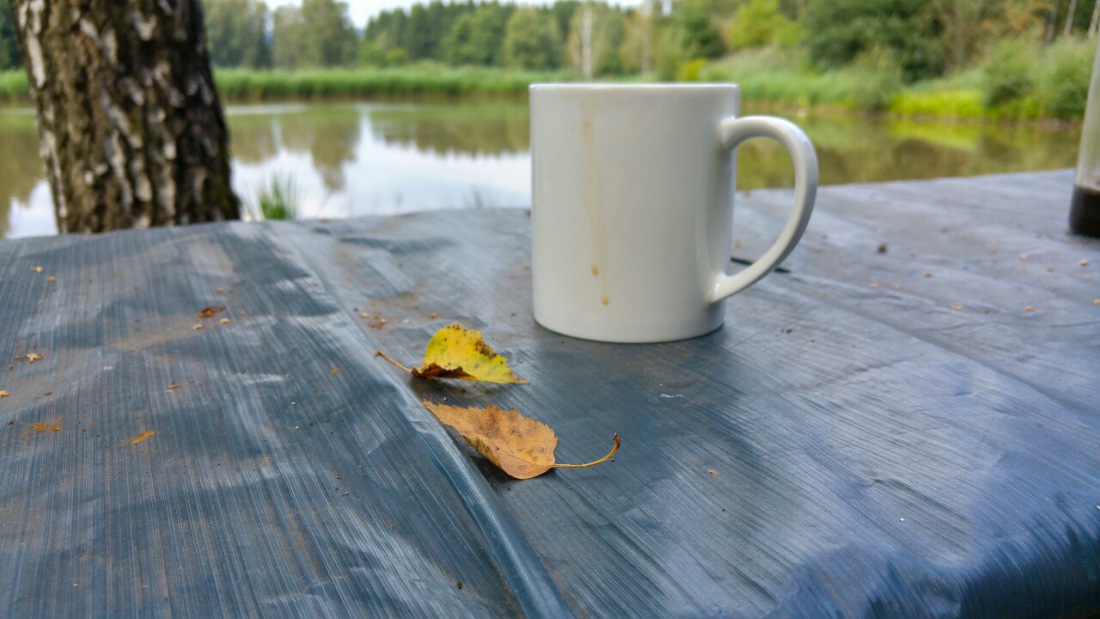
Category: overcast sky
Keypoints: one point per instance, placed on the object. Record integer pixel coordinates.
(362, 10)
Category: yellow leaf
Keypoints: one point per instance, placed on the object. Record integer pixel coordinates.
(4, 394)
(520, 446)
(455, 352)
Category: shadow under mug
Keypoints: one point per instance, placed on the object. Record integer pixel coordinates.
(632, 207)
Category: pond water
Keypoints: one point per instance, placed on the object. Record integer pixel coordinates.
(353, 159)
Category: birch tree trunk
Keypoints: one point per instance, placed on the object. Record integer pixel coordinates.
(130, 126)
(1069, 18)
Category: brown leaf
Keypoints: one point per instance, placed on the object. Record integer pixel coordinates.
(211, 311)
(455, 352)
(520, 446)
(41, 427)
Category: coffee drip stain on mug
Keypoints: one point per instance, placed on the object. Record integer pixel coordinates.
(593, 199)
(596, 273)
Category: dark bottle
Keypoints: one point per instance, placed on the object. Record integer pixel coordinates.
(1084, 212)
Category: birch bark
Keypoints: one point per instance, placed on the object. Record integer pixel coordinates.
(131, 129)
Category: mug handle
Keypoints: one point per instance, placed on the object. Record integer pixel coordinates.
(733, 131)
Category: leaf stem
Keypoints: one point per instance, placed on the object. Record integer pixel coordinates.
(595, 462)
(379, 353)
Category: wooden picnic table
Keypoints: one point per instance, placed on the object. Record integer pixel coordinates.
(904, 421)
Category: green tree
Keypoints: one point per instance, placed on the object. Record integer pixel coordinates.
(9, 44)
(531, 41)
(595, 33)
(1019, 18)
(693, 24)
(419, 42)
(760, 22)
(476, 37)
(387, 29)
(235, 33)
(689, 37)
(460, 48)
(288, 35)
(371, 54)
(330, 39)
(640, 39)
(427, 27)
(965, 27)
(562, 13)
(838, 31)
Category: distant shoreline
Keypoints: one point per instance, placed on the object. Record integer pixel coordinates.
(796, 92)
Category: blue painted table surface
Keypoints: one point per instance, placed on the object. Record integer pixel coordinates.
(905, 421)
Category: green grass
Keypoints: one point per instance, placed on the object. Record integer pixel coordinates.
(959, 104)
(783, 77)
(416, 81)
(13, 87)
(423, 81)
(278, 199)
(1016, 80)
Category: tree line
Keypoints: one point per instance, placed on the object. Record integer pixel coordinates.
(925, 38)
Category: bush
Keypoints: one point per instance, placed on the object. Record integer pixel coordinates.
(759, 23)
(397, 57)
(1027, 80)
(836, 32)
(1008, 80)
(876, 77)
(1066, 88)
(13, 86)
(689, 71)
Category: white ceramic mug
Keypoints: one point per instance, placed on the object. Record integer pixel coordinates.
(632, 207)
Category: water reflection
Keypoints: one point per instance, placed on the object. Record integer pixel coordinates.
(852, 150)
(348, 160)
(329, 135)
(489, 128)
(21, 168)
(353, 159)
(253, 133)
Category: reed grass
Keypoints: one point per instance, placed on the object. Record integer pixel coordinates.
(419, 81)
(278, 199)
